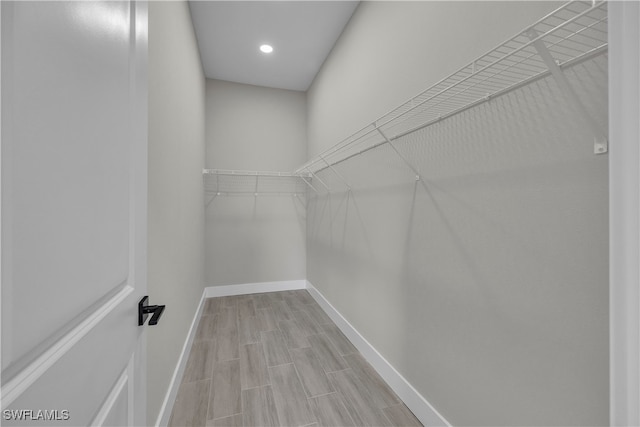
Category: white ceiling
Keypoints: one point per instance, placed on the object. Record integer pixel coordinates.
(302, 34)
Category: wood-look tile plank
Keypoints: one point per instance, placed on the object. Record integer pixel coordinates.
(291, 401)
(313, 378)
(275, 348)
(226, 346)
(357, 399)
(318, 314)
(200, 362)
(292, 302)
(224, 397)
(303, 296)
(281, 310)
(330, 411)
(226, 318)
(230, 301)
(248, 330)
(232, 421)
(205, 329)
(246, 308)
(399, 415)
(308, 325)
(380, 391)
(259, 408)
(267, 319)
(190, 407)
(212, 306)
(226, 335)
(294, 336)
(233, 300)
(262, 301)
(338, 339)
(327, 354)
(253, 366)
(275, 296)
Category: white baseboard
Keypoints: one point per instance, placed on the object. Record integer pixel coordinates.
(420, 407)
(174, 384)
(254, 288)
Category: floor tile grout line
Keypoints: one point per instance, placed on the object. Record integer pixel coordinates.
(258, 386)
(322, 395)
(206, 415)
(295, 368)
(228, 416)
(242, 404)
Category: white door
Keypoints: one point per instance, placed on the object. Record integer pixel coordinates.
(74, 129)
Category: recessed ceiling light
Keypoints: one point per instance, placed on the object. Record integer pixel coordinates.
(265, 48)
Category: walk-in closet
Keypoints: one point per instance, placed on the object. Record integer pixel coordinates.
(461, 233)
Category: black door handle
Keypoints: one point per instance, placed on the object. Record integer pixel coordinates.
(144, 310)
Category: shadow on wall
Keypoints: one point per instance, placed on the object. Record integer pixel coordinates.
(485, 283)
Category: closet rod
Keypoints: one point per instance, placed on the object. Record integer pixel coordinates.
(255, 173)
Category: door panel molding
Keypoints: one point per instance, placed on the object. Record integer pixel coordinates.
(115, 395)
(13, 388)
(15, 366)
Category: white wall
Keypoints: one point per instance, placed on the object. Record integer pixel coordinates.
(254, 239)
(176, 212)
(486, 286)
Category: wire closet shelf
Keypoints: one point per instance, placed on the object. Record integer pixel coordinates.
(219, 182)
(574, 33)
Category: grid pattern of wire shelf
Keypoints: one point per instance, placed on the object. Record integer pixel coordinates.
(571, 34)
(218, 182)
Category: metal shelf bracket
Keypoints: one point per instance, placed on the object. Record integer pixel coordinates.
(314, 176)
(309, 184)
(403, 158)
(601, 144)
(340, 177)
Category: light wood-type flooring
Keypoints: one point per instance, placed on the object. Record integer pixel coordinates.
(277, 359)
